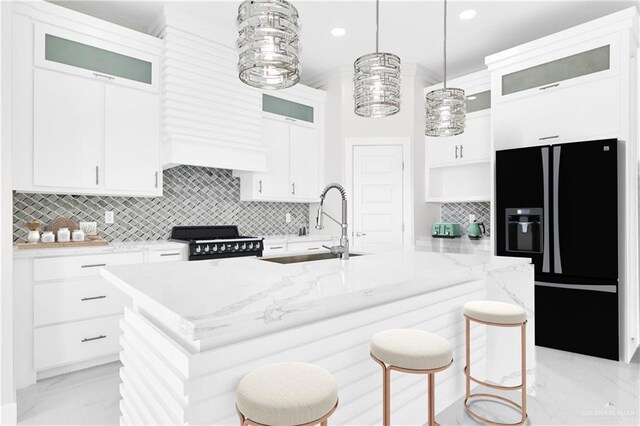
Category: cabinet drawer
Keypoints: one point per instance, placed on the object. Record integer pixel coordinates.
(55, 268)
(274, 248)
(313, 246)
(68, 343)
(76, 300)
(173, 255)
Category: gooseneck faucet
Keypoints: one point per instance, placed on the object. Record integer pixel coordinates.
(343, 249)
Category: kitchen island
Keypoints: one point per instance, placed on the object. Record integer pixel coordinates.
(195, 328)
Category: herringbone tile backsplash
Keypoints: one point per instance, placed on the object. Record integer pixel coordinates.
(192, 196)
(459, 213)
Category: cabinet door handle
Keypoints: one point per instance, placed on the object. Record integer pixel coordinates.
(156, 179)
(97, 175)
(461, 151)
(108, 77)
(361, 234)
(549, 86)
(95, 265)
(293, 188)
(549, 137)
(275, 247)
(290, 119)
(260, 186)
(313, 248)
(90, 339)
(456, 151)
(84, 299)
(169, 254)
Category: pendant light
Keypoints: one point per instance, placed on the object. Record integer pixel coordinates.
(268, 44)
(446, 108)
(376, 81)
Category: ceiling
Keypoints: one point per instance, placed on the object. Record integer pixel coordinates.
(410, 29)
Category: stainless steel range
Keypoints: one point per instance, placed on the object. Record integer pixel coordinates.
(216, 242)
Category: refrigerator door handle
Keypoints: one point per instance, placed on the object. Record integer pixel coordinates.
(545, 237)
(557, 260)
(607, 288)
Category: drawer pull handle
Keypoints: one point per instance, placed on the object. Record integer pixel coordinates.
(169, 254)
(90, 339)
(549, 86)
(108, 77)
(549, 137)
(313, 248)
(95, 265)
(275, 247)
(84, 299)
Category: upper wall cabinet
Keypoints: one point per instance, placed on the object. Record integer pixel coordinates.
(558, 92)
(85, 108)
(293, 135)
(457, 167)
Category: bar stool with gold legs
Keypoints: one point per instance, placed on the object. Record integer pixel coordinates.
(410, 351)
(287, 394)
(496, 314)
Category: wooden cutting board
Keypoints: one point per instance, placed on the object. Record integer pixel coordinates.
(93, 243)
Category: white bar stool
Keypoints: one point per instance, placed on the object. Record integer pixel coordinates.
(286, 394)
(414, 352)
(496, 314)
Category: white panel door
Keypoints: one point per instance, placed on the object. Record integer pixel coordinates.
(67, 130)
(275, 182)
(303, 162)
(377, 197)
(131, 140)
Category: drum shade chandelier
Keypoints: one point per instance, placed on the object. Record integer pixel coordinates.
(446, 108)
(376, 81)
(268, 44)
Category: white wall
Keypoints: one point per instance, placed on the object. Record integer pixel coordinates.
(7, 391)
(343, 123)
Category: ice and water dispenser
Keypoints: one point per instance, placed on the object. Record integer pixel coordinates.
(524, 230)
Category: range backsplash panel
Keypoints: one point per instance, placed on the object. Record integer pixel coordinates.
(192, 196)
(459, 213)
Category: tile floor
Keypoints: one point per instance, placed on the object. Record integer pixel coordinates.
(570, 389)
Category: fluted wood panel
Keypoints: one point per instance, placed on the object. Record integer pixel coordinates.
(203, 100)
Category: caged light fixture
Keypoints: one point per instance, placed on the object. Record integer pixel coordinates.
(376, 81)
(446, 108)
(268, 44)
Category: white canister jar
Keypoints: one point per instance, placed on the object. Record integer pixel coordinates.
(77, 235)
(64, 236)
(33, 237)
(48, 237)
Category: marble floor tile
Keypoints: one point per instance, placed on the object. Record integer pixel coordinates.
(570, 389)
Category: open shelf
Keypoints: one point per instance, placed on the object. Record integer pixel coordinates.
(459, 184)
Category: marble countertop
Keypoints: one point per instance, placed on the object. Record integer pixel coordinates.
(113, 247)
(221, 300)
(454, 245)
(274, 239)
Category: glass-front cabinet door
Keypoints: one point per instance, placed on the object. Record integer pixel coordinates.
(76, 53)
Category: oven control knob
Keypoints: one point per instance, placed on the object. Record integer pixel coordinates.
(236, 247)
(206, 248)
(222, 247)
(250, 246)
(244, 246)
(257, 246)
(198, 249)
(214, 247)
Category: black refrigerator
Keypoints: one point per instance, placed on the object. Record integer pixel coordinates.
(558, 205)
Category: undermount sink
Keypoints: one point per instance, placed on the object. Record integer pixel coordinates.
(305, 258)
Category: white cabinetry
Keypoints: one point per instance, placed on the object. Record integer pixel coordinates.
(86, 116)
(293, 135)
(457, 167)
(68, 316)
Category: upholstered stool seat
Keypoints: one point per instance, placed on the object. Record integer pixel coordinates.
(495, 312)
(287, 394)
(411, 349)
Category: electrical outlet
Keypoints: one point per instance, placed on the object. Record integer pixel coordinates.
(109, 217)
(287, 217)
(472, 217)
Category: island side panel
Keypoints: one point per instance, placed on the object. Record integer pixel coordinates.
(511, 284)
(163, 382)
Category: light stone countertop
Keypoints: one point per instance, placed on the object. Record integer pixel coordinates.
(213, 302)
(113, 247)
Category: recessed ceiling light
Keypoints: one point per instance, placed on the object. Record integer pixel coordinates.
(467, 14)
(338, 32)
